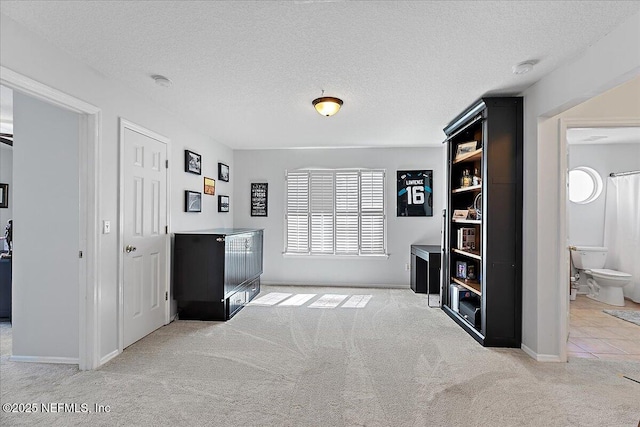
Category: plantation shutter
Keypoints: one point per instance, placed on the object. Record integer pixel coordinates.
(322, 212)
(372, 211)
(347, 212)
(297, 212)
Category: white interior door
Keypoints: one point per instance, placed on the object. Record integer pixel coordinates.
(144, 235)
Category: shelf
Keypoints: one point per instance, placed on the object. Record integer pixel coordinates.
(467, 221)
(472, 285)
(470, 254)
(474, 155)
(469, 188)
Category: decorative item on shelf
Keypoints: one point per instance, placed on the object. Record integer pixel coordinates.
(477, 206)
(467, 238)
(460, 214)
(192, 162)
(461, 270)
(471, 271)
(223, 172)
(465, 148)
(223, 203)
(192, 201)
(209, 186)
(466, 178)
(475, 180)
(259, 193)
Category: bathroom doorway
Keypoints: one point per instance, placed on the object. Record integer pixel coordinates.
(595, 151)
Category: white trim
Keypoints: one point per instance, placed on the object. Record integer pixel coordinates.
(109, 356)
(334, 285)
(42, 359)
(563, 215)
(89, 189)
(541, 357)
(125, 124)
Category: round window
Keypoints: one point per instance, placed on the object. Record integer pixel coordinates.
(585, 185)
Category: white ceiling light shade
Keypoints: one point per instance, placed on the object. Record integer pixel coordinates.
(327, 105)
(162, 81)
(523, 67)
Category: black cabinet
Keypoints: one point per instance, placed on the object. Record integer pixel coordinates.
(483, 231)
(425, 269)
(5, 288)
(216, 272)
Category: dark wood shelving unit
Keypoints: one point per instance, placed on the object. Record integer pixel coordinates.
(495, 124)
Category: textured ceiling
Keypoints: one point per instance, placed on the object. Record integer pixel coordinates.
(246, 72)
(604, 135)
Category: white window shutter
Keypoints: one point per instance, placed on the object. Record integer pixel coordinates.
(347, 206)
(322, 203)
(297, 212)
(372, 207)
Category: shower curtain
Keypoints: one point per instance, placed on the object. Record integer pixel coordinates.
(622, 229)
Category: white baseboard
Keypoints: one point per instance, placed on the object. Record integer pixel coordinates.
(333, 285)
(41, 359)
(540, 357)
(109, 356)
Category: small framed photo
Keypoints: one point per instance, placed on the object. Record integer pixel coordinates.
(192, 201)
(461, 270)
(192, 162)
(465, 148)
(460, 214)
(4, 195)
(223, 172)
(223, 203)
(209, 186)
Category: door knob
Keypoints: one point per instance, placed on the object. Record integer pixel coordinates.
(129, 249)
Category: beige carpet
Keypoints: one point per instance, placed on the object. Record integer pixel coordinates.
(395, 362)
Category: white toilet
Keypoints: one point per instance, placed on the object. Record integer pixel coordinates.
(604, 285)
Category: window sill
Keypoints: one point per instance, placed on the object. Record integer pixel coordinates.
(349, 257)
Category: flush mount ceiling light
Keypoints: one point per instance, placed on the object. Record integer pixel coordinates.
(523, 67)
(162, 81)
(327, 105)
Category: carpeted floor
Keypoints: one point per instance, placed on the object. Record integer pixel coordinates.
(632, 316)
(394, 362)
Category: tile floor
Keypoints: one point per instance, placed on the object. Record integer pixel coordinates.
(595, 334)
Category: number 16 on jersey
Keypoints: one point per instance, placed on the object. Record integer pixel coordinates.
(415, 193)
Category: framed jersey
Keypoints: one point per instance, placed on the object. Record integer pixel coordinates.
(415, 193)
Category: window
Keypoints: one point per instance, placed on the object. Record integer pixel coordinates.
(585, 185)
(335, 212)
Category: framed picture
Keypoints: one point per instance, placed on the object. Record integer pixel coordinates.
(460, 214)
(192, 162)
(223, 203)
(223, 172)
(4, 195)
(461, 269)
(259, 193)
(192, 201)
(209, 186)
(465, 148)
(415, 193)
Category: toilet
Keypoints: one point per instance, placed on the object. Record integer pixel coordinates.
(605, 285)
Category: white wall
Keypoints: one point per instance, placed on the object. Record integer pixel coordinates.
(586, 222)
(607, 63)
(45, 283)
(6, 177)
(32, 56)
(270, 165)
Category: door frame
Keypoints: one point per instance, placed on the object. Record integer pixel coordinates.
(126, 124)
(563, 225)
(90, 138)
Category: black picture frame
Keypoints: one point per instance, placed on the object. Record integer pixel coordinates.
(414, 193)
(223, 172)
(192, 201)
(192, 162)
(259, 198)
(4, 196)
(223, 203)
